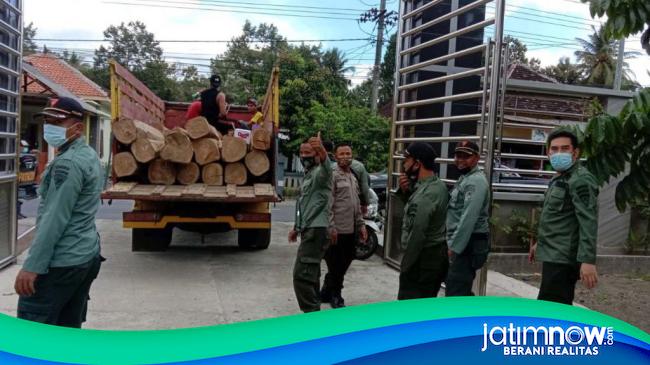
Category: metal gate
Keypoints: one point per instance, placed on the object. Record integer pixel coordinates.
(11, 26)
(449, 86)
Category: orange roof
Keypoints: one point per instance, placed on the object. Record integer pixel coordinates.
(65, 75)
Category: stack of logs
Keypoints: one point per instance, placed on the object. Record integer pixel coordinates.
(196, 153)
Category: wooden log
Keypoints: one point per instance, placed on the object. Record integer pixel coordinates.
(257, 162)
(261, 139)
(206, 150)
(162, 172)
(233, 149)
(124, 130)
(199, 127)
(212, 174)
(124, 164)
(189, 173)
(235, 174)
(178, 147)
(149, 142)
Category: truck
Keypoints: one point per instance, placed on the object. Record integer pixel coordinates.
(158, 209)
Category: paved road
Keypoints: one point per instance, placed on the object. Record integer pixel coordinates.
(281, 212)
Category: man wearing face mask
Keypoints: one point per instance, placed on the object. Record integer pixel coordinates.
(424, 264)
(64, 257)
(346, 226)
(568, 223)
(467, 222)
(311, 222)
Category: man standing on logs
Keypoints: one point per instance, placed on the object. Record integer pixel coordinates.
(346, 226)
(312, 221)
(64, 258)
(213, 105)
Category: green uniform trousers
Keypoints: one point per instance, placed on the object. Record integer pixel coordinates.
(425, 276)
(306, 270)
(61, 297)
(559, 282)
(463, 266)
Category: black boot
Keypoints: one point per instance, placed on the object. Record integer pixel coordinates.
(337, 301)
(325, 295)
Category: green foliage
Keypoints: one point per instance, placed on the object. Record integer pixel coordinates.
(597, 60)
(565, 72)
(521, 226)
(338, 120)
(612, 144)
(624, 18)
(29, 33)
(517, 53)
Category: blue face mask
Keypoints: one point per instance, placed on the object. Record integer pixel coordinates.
(54, 135)
(561, 161)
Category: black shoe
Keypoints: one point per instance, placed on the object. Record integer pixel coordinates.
(325, 295)
(337, 302)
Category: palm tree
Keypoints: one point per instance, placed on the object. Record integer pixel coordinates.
(334, 61)
(597, 59)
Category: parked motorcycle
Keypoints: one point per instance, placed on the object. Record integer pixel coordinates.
(374, 224)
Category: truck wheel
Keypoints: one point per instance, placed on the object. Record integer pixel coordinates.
(254, 239)
(143, 240)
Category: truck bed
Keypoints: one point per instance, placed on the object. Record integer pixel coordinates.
(257, 193)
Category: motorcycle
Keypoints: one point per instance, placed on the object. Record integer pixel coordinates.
(374, 223)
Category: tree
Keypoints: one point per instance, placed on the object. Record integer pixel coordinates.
(614, 143)
(565, 72)
(597, 59)
(29, 33)
(517, 53)
(387, 72)
(624, 18)
(131, 45)
(334, 61)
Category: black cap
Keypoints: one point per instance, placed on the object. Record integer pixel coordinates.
(422, 152)
(63, 108)
(467, 147)
(215, 80)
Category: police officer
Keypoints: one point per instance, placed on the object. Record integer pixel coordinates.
(467, 221)
(566, 239)
(346, 226)
(360, 173)
(424, 264)
(64, 258)
(312, 222)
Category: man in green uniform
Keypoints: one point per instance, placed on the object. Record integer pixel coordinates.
(568, 223)
(64, 257)
(424, 264)
(312, 221)
(467, 222)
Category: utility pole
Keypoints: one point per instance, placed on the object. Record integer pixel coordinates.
(375, 70)
(618, 78)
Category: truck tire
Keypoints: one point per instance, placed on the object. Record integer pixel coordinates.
(150, 240)
(254, 239)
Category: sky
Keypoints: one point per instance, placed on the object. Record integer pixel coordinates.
(548, 27)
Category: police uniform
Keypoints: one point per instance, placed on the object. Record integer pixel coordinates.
(424, 264)
(347, 220)
(567, 232)
(467, 231)
(66, 250)
(312, 220)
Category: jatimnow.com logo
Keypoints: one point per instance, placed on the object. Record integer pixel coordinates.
(547, 340)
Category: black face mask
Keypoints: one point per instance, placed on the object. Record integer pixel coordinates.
(465, 170)
(308, 162)
(413, 173)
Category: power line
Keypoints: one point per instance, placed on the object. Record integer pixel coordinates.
(227, 11)
(258, 7)
(211, 41)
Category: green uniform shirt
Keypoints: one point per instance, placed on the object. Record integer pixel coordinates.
(569, 221)
(361, 174)
(424, 219)
(312, 207)
(467, 212)
(70, 196)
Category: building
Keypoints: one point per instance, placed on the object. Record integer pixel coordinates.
(46, 76)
